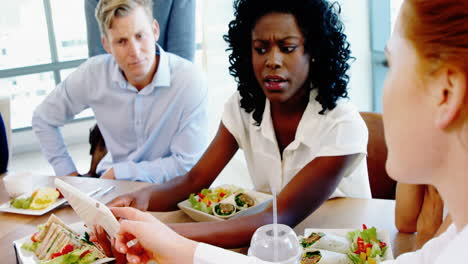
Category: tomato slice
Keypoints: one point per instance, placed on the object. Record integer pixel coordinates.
(67, 249)
(34, 237)
(60, 193)
(84, 253)
(58, 254)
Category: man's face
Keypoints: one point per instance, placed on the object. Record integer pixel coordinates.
(131, 40)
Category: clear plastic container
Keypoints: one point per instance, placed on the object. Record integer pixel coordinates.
(17, 184)
(263, 242)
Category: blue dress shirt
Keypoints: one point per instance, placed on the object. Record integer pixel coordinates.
(151, 135)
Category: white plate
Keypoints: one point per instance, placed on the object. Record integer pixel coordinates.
(28, 257)
(263, 200)
(7, 208)
(382, 235)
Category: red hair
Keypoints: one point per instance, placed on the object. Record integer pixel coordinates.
(438, 29)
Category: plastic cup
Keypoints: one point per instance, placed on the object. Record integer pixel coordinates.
(263, 243)
(20, 183)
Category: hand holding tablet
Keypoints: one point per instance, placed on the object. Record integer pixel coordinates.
(90, 210)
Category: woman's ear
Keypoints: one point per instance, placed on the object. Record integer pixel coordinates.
(451, 96)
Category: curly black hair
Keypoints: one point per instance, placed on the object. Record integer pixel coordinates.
(325, 42)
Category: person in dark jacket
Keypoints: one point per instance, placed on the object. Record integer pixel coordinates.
(3, 147)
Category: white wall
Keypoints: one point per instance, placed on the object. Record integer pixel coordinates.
(355, 15)
(74, 133)
(216, 17)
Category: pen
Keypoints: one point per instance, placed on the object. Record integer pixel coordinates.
(106, 191)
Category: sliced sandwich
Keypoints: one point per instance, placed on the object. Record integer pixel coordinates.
(56, 243)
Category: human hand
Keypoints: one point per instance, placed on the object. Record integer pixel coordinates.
(109, 175)
(100, 238)
(75, 173)
(157, 241)
(139, 199)
(431, 213)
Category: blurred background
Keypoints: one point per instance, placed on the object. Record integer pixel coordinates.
(42, 41)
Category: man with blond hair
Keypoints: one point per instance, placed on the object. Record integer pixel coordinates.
(150, 105)
(176, 19)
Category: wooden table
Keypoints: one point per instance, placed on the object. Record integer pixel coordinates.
(336, 213)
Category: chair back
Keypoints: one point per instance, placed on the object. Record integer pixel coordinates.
(98, 150)
(382, 186)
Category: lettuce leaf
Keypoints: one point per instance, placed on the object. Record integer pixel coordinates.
(355, 258)
(30, 246)
(200, 206)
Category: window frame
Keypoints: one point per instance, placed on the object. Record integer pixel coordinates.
(55, 66)
(380, 26)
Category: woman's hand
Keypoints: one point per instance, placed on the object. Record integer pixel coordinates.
(100, 238)
(155, 240)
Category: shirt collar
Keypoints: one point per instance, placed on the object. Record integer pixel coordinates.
(266, 127)
(268, 131)
(162, 77)
(311, 120)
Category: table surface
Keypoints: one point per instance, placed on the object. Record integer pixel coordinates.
(335, 213)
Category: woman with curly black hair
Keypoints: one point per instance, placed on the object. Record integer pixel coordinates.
(290, 62)
(324, 43)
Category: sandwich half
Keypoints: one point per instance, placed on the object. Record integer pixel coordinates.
(56, 243)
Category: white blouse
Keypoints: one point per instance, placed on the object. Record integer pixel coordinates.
(338, 132)
(449, 247)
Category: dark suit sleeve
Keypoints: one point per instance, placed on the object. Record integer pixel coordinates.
(181, 29)
(3, 147)
(92, 29)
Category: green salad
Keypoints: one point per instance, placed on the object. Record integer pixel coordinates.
(207, 198)
(366, 248)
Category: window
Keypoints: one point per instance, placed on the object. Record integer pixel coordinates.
(394, 10)
(26, 92)
(20, 27)
(37, 41)
(215, 16)
(69, 29)
(383, 17)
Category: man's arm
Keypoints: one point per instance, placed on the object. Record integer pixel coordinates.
(311, 186)
(61, 105)
(51, 141)
(187, 146)
(181, 29)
